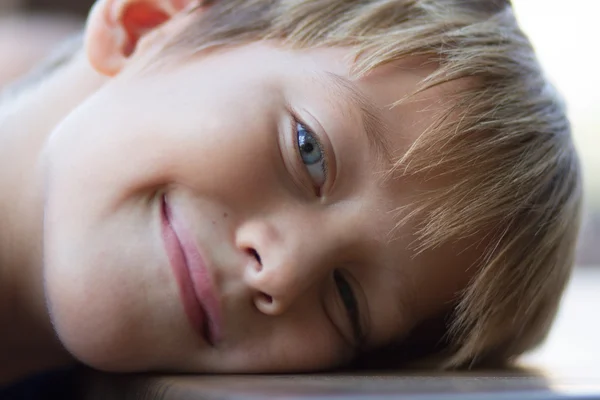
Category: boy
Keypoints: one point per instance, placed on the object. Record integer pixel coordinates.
(268, 186)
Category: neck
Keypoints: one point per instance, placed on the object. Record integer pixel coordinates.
(28, 343)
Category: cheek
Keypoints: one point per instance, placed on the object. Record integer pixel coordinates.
(309, 352)
(109, 295)
(108, 286)
(216, 136)
(110, 298)
(296, 343)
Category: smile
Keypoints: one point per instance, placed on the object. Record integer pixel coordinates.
(195, 286)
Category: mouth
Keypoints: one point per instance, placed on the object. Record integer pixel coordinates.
(195, 285)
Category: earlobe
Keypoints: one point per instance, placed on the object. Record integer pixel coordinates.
(115, 28)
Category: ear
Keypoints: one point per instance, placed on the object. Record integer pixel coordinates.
(115, 28)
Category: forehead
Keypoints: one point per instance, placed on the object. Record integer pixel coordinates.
(388, 90)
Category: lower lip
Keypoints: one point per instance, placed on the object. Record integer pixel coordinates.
(191, 304)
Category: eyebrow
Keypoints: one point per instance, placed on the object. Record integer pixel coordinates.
(374, 127)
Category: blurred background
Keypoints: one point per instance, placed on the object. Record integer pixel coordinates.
(565, 35)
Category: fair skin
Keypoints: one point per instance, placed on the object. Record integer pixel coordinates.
(100, 189)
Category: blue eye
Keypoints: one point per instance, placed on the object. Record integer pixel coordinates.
(346, 293)
(350, 304)
(310, 149)
(312, 154)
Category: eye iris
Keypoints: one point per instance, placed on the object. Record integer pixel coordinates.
(345, 292)
(309, 147)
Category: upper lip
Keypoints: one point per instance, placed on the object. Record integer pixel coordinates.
(197, 273)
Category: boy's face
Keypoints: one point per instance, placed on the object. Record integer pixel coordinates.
(228, 214)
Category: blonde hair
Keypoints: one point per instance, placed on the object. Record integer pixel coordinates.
(502, 146)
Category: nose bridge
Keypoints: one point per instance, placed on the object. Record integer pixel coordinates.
(294, 253)
(297, 258)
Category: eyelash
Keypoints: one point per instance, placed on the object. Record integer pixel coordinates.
(352, 310)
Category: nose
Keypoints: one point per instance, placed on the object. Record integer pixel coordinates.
(282, 270)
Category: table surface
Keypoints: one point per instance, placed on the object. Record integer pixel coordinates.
(523, 385)
(566, 367)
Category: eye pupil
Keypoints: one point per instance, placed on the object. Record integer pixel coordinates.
(308, 147)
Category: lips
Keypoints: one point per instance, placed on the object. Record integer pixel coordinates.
(195, 285)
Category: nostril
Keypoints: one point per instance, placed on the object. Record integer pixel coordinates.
(265, 298)
(255, 254)
(264, 303)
